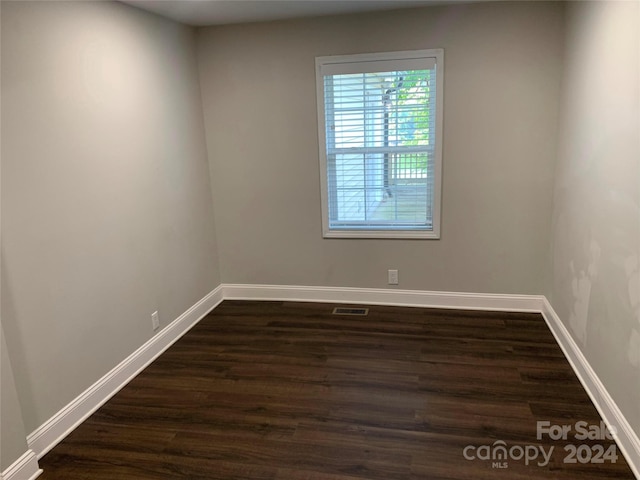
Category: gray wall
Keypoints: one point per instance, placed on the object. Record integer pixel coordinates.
(596, 214)
(13, 436)
(502, 81)
(106, 204)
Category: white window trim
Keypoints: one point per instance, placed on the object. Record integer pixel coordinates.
(434, 233)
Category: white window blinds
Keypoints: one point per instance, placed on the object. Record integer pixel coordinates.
(380, 144)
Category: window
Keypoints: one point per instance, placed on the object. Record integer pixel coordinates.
(380, 131)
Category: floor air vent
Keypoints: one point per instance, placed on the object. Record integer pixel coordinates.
(350, 311)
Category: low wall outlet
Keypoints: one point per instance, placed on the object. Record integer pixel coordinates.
(393, 277)
(155, 321)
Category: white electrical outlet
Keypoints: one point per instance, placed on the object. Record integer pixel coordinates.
(393, 277)
(155, 321)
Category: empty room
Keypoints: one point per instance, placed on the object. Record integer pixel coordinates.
(320, 240)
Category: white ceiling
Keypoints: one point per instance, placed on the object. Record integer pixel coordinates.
(220, 12)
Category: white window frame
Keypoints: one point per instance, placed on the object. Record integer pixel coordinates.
(335, 63)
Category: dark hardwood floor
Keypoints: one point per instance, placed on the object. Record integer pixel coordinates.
(288, 391)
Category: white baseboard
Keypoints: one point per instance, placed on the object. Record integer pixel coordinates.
(625, 437)
(60, 425)
(48, 435)
(24, 468)
(377, 296)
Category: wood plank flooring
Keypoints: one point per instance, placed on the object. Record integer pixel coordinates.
(288, 391)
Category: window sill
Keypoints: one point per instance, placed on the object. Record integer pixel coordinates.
(385, 234)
